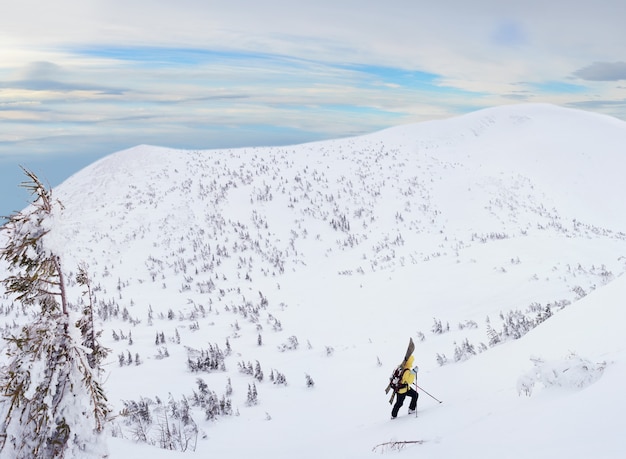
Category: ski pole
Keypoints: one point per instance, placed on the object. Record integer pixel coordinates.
(416, 399)
(428, 393)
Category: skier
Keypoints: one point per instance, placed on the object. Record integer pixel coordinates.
(404, 389)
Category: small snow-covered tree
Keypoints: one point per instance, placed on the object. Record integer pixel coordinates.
(258, 372)
(494, 336)
(463, 351)
(86, 323)
(51, 402)
(437, 328)
(253, 396)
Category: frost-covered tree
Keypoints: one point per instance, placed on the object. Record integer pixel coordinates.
(90, 336)
(253, 396)
(258, 372)
(51, 402)
(463, 351)
(494, 336)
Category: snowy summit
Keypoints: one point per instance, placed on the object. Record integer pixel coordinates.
(256, 300)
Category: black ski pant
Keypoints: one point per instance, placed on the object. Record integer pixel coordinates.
(400, 400)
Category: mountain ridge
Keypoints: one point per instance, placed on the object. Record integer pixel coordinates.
(471, 197)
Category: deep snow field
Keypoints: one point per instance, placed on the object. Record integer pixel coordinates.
(495, 240)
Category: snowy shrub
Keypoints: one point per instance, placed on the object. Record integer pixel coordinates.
(516, 324)
(169, 426)
(253, 396)
(229, 388)
(291, 344)
(163, 353)
(276, 324)
(245, 368)
(606, 275)
(258, 372)
(571, 372)
(138, 416)
(437, 328)
(208, 400)
(579, 291)
(208, 360)
(494, 336)
(309, 380)
(468, 324)
(278, 378)
(484, 238)
(229, 350)
(395, 445)
(160, 338)
(464, 351)
(178, 430)
(341, 223)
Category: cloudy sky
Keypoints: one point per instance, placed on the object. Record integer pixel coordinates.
(80, 79)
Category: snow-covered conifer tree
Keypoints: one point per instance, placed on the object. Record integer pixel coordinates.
(51, 402)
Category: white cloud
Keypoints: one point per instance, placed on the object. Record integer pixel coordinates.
(323, 68)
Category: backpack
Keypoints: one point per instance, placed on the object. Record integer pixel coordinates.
(395, 381)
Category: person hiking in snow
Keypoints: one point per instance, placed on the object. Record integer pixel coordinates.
(403, 388)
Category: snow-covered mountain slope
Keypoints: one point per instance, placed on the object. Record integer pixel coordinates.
(491, 239)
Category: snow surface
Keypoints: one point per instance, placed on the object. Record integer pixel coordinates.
(358, 244)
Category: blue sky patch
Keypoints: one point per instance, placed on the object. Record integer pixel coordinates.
(557, 87)
(167, 55)
(395, 75)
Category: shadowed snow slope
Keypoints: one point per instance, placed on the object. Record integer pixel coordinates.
(495, 240)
